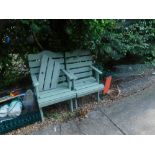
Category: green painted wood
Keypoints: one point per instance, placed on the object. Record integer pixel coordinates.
(98, 96)
(62, 79)
(41, 113)
(49, 74)
(81, 70)
(43, 102)
(53, 55)
(32, 57)
(34, 80)
(35, 70)
(89, 90)
(53, 92)
(91, 79)
(56, 98)
(69, 75)
(64, 84)
(84, 75)
(42, 73)
(55, 75)
(34, 63)
(77, 53)
(71, 105)
(78, 65)
(96, 70)
(35, 60)
(76, 104)
(86, 85)
(79, 59)
(97, 77)
(84, 82)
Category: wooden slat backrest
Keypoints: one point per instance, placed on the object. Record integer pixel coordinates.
(42, 74)
(78, 62)
(35, 62)
(55, 75)
(49, 73)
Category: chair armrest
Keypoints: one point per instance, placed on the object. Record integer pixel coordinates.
(71, 76)
(35, 84)
(97, 70)
(35, 81)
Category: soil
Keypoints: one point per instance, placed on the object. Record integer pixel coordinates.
(122, 86)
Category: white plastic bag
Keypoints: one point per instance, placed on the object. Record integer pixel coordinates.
(15, 108)
(4, 110)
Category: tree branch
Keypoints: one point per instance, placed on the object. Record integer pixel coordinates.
(37, 41)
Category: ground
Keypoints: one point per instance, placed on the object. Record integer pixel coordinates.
(134, 114)
(130, 112)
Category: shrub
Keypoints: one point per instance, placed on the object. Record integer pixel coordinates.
(110, 40)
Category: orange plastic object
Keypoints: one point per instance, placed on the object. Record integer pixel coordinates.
(107, 84)
(11, 94)
(14, 93)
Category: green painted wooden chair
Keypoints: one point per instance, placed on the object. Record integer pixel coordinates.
(80, 65)
(51, 81)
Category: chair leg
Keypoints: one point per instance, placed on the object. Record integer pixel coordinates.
(98, 97)
(42, 115)
(71, 105)
(76, 104)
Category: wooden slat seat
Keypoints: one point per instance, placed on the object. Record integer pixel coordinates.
(88, 89)
(87, 86)
(55, 96)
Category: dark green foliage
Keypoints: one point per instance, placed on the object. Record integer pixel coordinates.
(112, 41)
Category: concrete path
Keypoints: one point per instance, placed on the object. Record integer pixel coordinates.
(96, 123)
(130, 115)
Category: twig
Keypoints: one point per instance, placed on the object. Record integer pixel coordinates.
(110, 92)
(119, 91)
(36, 39)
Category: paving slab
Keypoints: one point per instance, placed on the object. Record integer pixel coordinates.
(95, 124)
(70, 128)
(51, 130)
(134, 114)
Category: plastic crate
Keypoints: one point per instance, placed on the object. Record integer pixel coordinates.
(20, 121)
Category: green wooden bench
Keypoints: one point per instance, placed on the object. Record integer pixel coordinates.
(80, 65)
(51, 81)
